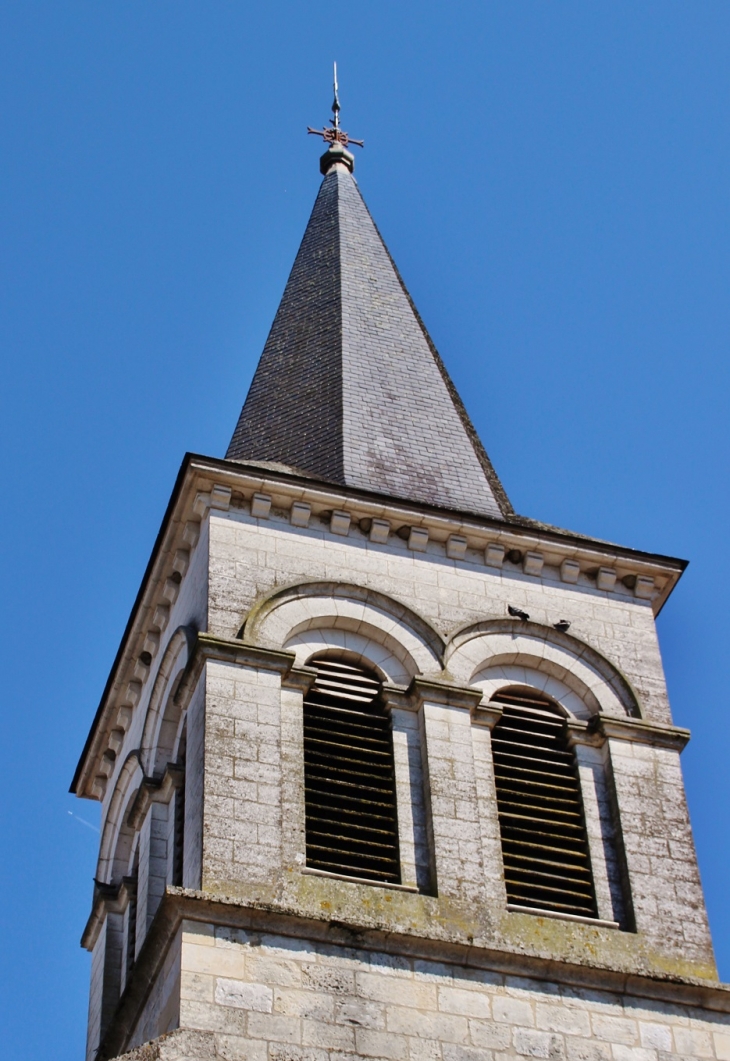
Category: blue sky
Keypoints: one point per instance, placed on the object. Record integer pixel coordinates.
(552, 180)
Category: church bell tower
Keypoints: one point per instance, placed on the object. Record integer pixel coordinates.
(387, 771)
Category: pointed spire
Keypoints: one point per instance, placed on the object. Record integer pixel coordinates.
(350, 388)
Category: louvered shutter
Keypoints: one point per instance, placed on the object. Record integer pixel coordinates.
(349, 780)
(544, 844)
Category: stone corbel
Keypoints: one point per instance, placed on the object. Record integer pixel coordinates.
(397, 696)
(218, 498)
(487, 714)
(108, 899)
(155, 790)
(585, 733)
(640, 731)
(299, 679)
(596, 731)
(424, 690)
(208, 647)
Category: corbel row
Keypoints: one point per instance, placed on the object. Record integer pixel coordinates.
(495, 554)
(169, 591)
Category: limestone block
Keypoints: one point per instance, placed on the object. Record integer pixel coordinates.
(151, 643)
(569, 571)
(494, 555)
(340, 523)
(256, 997)
(220, 497)
(116, 739)
(191, 533)
(300, 513)
(106, 764)
(201, 504)
(170, 590)
(181, 561)
(141, 670)
(379, 531)
(456, 547)
(134, 691)
(606, 579)
(124, 717)
(418, 539)
(532, 563)
(161, 616)
(260, 506)
(644, 588)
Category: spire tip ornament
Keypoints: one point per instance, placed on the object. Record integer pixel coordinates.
(336, 137)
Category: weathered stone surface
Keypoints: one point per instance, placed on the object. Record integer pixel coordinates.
(333, 1002)
(349, 387)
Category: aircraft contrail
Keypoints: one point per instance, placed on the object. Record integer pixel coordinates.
(83, 821)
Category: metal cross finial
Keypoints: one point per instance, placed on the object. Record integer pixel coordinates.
(336, 101)
(335, 135)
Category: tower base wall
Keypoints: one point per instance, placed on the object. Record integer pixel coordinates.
(252, 996)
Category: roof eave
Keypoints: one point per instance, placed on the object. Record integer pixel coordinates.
(194, 465)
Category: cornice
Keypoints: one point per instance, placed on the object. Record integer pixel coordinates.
(283, 487)
(207, 484)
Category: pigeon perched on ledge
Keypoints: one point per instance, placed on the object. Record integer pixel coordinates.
(517, 613)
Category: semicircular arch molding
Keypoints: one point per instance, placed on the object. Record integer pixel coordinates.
(474, 653)
(116, 837)
(163, 713)
(313, 616)
(364, 647)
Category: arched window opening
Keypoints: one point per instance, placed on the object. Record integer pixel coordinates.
(349, 778)
(131, 944)
(178, 834)
(544, 843)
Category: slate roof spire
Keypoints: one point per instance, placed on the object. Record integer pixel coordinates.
(350, 388)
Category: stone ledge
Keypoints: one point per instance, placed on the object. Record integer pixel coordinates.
(223, 650)
(180, 904)
(108, 898)
(636, 730)
(179, 1045)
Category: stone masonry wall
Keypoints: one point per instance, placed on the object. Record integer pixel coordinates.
(269, 998)
(254, 843)
(250, 557)
(161, 1011)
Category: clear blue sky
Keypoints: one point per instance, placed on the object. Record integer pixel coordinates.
(552, 179)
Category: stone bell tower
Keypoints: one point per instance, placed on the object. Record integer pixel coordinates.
(387, 771)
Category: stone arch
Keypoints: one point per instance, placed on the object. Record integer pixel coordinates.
(356, 648)
(362, 623)
(116, 835)
(163, 718)
(501, 652)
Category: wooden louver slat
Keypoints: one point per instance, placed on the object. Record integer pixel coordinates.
(349, 778)
(544, 843)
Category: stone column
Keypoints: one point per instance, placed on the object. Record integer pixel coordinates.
(450, 780)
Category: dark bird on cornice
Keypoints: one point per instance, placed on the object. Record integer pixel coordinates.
(518, 613)
(562, 625)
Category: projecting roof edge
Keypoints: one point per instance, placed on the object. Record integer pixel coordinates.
(515, 523)
(442, 522)
(156, 548)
